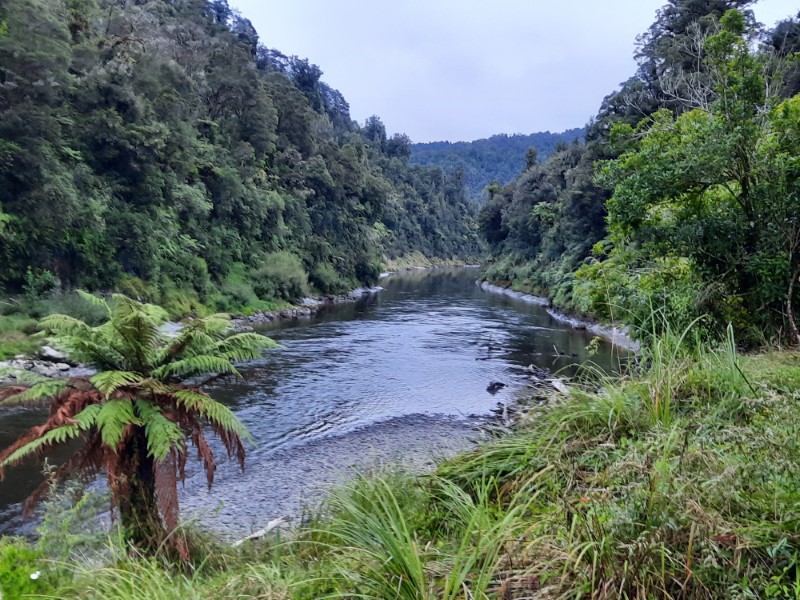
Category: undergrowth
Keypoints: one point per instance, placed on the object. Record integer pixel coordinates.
(678, 480)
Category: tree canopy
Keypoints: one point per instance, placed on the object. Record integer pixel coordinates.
(497, 159)
(160, 149)
(685, 195)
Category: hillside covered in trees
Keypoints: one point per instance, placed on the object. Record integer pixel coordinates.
(159, 148)
(497, 159)
(685, 196)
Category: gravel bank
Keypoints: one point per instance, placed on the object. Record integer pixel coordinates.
(284, 483)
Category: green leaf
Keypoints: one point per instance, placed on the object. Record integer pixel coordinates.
(59, 435)
(64, 325)
(162, 434)
(40, 391)
(196, 365)
(213, 411)
(108, 382)
(112, 419)
(95, 301)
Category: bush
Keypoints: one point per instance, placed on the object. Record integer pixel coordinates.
(39, 281)
(325, 278)
(368, 270)
(70, 521)
(22, 570)
(67, 303)
(280, 277)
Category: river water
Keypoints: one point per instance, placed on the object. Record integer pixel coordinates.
(398, 376)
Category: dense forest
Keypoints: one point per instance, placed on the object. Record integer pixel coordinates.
(160, 149)
(685, 197)
(498, 159)
(154, 146)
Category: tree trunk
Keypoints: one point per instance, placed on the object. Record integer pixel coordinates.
(789, 311)
(138, 504)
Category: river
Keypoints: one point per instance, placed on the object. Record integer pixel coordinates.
(398, 376)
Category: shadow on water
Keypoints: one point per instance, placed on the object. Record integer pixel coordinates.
(428, 344)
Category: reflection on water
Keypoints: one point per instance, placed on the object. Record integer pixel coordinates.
(429, 343)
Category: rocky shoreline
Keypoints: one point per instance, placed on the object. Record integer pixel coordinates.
(48, 363)
(305, 310)
(618, 336)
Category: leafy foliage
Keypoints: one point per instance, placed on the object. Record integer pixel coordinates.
(685, 195)
(716, 189)
(135, 418)
(159, 148)
(497, 159)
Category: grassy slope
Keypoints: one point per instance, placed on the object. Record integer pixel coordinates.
(680, 481)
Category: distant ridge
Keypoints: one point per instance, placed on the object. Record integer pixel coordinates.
(499, 158)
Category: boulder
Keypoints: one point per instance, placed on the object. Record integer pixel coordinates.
(51, 354)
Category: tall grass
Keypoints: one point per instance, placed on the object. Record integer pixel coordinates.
(677, 481)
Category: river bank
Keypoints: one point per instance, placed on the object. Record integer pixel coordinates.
(618, 336)
(308, 308)
(289, 484)
(603, 493)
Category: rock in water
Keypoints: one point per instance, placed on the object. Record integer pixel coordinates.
(494, 386)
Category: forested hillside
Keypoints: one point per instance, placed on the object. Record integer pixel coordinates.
(498, 159)
(159, 148)
(685, 196)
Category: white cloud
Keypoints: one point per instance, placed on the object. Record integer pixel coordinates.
(465, 69)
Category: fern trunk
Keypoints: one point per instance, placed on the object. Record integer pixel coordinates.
(138, 507)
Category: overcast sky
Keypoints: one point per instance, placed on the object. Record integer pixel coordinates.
(467, 69)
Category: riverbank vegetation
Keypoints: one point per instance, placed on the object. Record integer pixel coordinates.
(676, 480)
(159, 149)
(686, 194)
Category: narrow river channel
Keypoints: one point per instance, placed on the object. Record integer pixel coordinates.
(400, 376)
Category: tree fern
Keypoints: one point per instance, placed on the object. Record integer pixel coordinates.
(136, 412)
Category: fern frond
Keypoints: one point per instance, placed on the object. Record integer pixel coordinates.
(63, 325)
(87, 418)
(108, 382)
(246, 341)
(39, 391)
(92, 350)
(196, 365)
(124, 306)
(213, 411)
(95, 301)
(59, 435)
(215, 325)
(112, 419)
(157, 387)
(191, 341)
(162, 434)
(140, 334)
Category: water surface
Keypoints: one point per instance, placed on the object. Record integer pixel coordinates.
(406, 368)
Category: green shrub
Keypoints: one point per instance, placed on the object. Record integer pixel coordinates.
(38, 282)
(280, 277)
(66, 303)
(69, 521)
(325, 278)
(22, 570)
